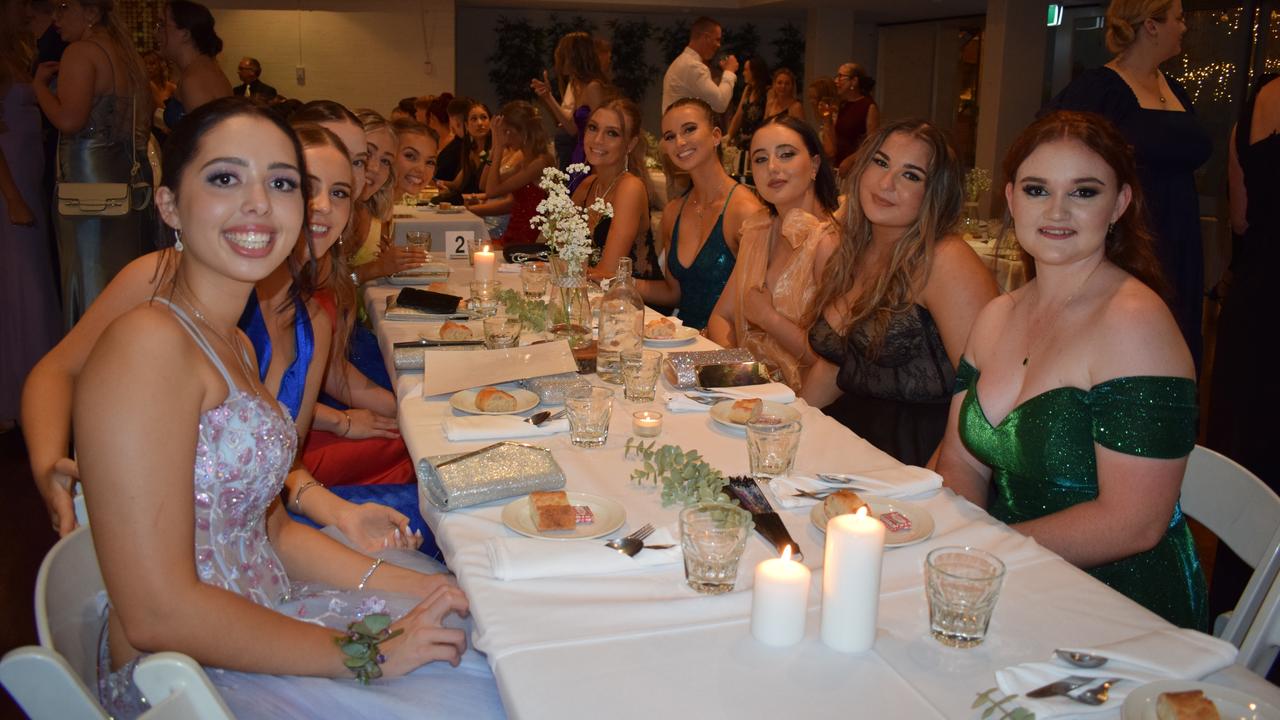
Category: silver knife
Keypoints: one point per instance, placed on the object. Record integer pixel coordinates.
(1060, 687)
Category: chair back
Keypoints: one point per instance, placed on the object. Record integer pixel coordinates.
(1245, 514)
(45, 686)
(70, 599)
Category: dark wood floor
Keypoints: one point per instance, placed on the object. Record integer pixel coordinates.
(25, 536)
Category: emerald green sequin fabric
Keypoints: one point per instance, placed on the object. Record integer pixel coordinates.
(1043, 460)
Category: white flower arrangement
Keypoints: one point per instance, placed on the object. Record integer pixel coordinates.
(976, 182)
(562, 223)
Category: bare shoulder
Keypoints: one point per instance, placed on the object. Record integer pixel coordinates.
(669, 214)
(957, 271)
(991, 322)
(951, 250)
(630, 191)
(745, 203)
(146, 343)
(1135, 334)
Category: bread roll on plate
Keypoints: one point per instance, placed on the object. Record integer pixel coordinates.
(551, 510)
(451, 330)
(492, 399)
(1187, 705)
(746, 410)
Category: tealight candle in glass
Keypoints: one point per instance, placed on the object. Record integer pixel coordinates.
(646, 423)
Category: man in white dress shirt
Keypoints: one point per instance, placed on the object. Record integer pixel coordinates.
(689, 75)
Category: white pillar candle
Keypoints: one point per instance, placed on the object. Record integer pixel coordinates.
(485, 265)
(779, 600)
(851, 581)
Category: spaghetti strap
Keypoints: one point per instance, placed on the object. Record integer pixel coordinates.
(185, 320)
(724, 208)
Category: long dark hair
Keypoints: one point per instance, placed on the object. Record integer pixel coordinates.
(1129, 244)
(825, 187)
(197, 20)
(181, 148)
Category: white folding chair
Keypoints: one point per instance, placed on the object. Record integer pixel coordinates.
(54, 680)
(1245, 514)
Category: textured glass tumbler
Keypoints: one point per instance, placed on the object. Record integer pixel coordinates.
(771, 446)
(962, 585)
(501, 331)
(640, 374)
(535, 277)
(712, 536)
(589, 411)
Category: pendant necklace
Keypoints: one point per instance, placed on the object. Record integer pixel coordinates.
(1031, 347)
(236, 349)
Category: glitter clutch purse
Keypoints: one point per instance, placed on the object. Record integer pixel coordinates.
(681, 368)
(552, 389)
(493, 472)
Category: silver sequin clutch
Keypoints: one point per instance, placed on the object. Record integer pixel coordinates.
(552, 389)
(681, 368)
(501, 470)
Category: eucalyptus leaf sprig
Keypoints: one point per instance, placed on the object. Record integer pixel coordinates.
(532, 313)
(685, 477)
(994, 705)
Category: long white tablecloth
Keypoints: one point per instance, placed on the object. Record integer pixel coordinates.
(644, 645)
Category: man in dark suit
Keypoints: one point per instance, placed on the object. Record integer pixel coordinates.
(250, 86)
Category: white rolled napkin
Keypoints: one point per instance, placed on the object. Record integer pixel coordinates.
(899, 482)
(772, 392)
(1173, 653)
(528, 558)
(499, 427)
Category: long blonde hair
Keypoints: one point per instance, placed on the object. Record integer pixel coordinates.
(380, 202)
(134, 67)
(894, 289)
(17, 48)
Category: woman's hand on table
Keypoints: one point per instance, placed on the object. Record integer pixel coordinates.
(398, 258)
(372, 527)
(56, 490)
(368, 424)
(424, 639)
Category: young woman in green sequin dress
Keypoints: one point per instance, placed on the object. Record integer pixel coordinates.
(1075, 407)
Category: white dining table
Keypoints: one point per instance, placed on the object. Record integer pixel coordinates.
(446, 228)
(642, 644)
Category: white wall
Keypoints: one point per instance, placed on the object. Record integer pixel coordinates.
(362, 53)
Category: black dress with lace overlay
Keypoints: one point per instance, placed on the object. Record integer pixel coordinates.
(897, 399)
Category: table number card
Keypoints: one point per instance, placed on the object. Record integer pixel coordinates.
(458, 242)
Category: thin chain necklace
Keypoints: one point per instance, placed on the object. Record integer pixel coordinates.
(236, 349)
(1034, 346)
(602, 195)
(700, 206)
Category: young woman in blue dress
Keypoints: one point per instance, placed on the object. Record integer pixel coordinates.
(1075, 407)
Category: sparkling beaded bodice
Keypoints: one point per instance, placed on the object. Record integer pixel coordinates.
(244, 450)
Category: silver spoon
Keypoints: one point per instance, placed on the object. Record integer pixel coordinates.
(1081, 659)
(1097, 694)
(538, 418)
(633, 543)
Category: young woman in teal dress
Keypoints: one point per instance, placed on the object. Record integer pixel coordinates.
(1075, 407)
(706, 224)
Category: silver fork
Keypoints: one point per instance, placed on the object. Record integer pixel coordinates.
(633, 543)
(708, 399)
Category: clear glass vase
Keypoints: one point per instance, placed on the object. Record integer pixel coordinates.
(570, 307)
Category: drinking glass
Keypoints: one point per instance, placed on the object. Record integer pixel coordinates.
(589, 411)
(640, 374)
(501, 331)
(534, 278)
(771, 446)
(962, 585)
(484, 298)
(419, 240)
(712, 536)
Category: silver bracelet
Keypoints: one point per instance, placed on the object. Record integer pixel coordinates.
(297, 499)
(369, 573)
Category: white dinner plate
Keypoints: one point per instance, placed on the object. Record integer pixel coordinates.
(921, 521)
(432, 332)
(1140, 704)
(683, 335)
(465, 400)
(455, 210)
(609, 517)
(720, 413)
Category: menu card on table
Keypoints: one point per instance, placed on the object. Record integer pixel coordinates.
(448, 372)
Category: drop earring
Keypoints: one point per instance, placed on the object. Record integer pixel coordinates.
(1111, 229)
(177, 245)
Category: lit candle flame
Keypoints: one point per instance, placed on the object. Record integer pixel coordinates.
(786, 554)
(486, 248)
(862, 511)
